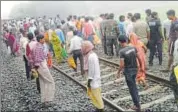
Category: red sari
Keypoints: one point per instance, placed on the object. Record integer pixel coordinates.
(134, 41)
(13, 44)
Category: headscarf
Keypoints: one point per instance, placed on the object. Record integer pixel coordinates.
(87, 47)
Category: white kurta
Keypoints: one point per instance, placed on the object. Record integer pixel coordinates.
(94, 71)
(23, 44)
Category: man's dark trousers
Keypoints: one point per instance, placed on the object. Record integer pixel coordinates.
(78, 54)
(130, 76)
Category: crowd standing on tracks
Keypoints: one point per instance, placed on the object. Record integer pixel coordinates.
(40, 39)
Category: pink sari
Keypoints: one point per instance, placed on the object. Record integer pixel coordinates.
(134, 41)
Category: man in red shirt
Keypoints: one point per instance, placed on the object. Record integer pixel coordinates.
(88, 30)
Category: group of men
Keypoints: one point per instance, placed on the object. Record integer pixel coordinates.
(150, 33)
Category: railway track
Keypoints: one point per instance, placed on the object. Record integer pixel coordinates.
(158, 97)
(150, 75)
(153, 70)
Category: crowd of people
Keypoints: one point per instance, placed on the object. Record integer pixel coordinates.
(40, 39)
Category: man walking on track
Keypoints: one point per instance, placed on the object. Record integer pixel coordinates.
(128, 64)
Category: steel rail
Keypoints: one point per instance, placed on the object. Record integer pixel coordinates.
(150, 75)
(119, 109)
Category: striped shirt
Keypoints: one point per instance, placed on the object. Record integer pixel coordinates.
(39, 54)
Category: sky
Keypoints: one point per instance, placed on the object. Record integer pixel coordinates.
(6, 7)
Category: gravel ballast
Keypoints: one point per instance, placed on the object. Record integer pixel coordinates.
(18, 94)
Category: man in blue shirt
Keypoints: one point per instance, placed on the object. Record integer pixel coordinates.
(122, 25)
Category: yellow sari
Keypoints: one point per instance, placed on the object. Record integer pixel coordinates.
(57, 47)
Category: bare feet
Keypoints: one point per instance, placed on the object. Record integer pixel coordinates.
(146, 87)
(136, 109)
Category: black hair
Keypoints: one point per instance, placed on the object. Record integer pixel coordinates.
(10, 32)
(91, 18)
(7, 30)
(79, 18)
(133, 19)
(122, 38)
(21, 30)
(86, 19)
(68, 19)
(36, 32)
(75, 17)
(171, 12)
(137, 16)
(176, 27)
(75, 32)
(106, 14)
(30, 36)
(111, 16)
(101, 15)
(148, 11)
(130, 15)
(121, 17)
(70, 16)
(71, 28)
(153, 14)
(62, 21)
(58, 26)
(39, 37)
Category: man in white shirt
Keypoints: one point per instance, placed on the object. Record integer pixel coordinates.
(75, 49)
(23, 42)
(167, 26)
(92, 67)
(70, 23)
(129, 24)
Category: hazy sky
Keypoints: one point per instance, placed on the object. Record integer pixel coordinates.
(6, 7)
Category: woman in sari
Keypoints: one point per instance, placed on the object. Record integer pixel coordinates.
(47, 84)
(57, 46)
(141, 50)
(12, 43)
